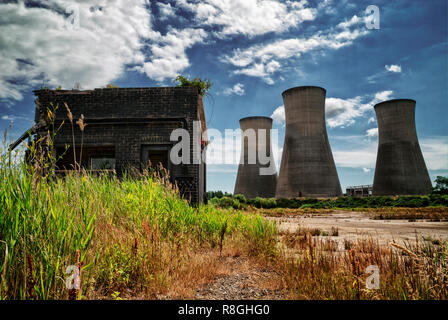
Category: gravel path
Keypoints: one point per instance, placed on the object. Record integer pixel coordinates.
(244, 281)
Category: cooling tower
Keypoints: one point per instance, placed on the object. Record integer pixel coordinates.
(257, 177)
(307, 167)
(400, 167)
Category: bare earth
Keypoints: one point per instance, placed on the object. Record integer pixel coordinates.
(354, 225)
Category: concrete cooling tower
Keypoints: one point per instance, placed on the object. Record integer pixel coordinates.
(257, 176)
(400, 167)
(307, 167)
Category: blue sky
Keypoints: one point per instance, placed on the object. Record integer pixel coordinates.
(252, 51)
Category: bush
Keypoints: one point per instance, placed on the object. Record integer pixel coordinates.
(241, 198)
(341, 202)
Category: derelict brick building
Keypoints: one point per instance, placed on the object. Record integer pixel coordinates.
(127, 127)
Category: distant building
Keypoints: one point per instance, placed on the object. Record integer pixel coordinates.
(359, 191)
(128, 128)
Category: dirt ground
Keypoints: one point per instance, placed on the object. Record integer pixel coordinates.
(353, 225)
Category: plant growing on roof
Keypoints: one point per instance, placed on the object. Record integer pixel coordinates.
(202, 85)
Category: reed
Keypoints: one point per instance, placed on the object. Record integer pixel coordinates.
(134, 234)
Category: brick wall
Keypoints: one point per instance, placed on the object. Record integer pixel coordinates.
(130, 120)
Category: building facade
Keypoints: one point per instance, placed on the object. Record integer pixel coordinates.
(129, 128)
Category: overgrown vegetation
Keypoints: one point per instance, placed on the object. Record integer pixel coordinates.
(319, 269)
(239, 201)
(202, 85)
(135, 236)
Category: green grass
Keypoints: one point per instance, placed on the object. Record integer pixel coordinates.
(43, 222)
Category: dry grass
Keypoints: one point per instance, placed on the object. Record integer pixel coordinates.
(412, 214)
(315, 268)
(285, 212)
(155, 268)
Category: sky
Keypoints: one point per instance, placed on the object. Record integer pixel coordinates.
(252, 51)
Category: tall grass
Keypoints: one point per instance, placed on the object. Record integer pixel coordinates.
(132, 233)
(317, 269)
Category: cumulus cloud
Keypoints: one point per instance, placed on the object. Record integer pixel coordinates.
(343, 112)
(169, 55)
(382, 96)
(393, 68)
(249, 17)
(263, 60)
(237, 89)
(366, 170)
(166, 11)
(371, 133)
(39, 46)
(279, 115)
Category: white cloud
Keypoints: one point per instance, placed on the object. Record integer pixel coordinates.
(382, 96)
(366, 170)
(262, 60)
(371, 120)
(237, 89)
(340, 112)
(168, 57)
(435, 152)
(8, 118)
(347, 24)
(371, 133)
(165, 11)
(361, 153)
(224, 149)
(355, 158)
(343, 112)
(36, 44)
(382, 75)
(279, 115)
(354, 151)
(14, 118)
(249, 17)
(393, 68)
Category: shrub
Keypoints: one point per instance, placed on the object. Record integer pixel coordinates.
(202, 85)
(241, 198)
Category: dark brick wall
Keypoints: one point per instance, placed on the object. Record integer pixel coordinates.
(131, 119)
